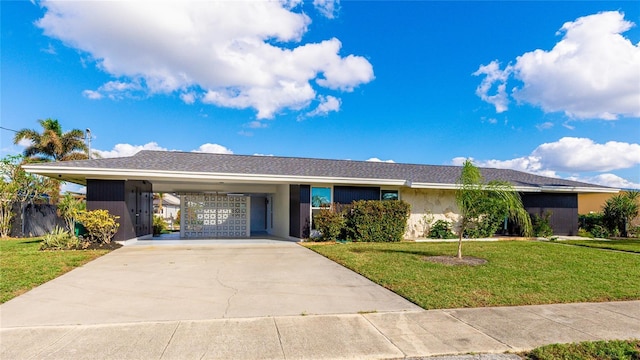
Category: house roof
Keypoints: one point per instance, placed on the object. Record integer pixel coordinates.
(163, 166)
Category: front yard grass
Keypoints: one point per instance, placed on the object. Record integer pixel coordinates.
(630, 245)
(588, 350)
(23, 266)
(517, 272)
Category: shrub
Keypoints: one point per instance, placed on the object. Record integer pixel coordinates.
(330, 222)
(619, 210)
(441, 229)
(59, 239)
(485, 226)
(594, 224)
(542, 225)
(69, 207)
(158, 225)
(377, 221)
(101, 226)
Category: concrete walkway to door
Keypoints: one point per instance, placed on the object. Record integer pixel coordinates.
(198, 281)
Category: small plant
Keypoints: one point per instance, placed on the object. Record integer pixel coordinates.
(158, 225)
(441, 229)
(59, 239)
(330, 223)
(101, 226)
(542, 225)
(68, 208)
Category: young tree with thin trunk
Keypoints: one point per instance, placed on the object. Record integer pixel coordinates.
(478, 201)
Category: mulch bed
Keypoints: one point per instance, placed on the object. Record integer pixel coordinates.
(454, 261)
(100, 246)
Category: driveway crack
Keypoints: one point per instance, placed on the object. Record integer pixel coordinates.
(170, 339)
(284, 356)
(235, 292)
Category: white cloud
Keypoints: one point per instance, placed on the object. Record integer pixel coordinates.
(123, 150)
(73, 188)
(51, 50)
(573, 155)
(237, 54)
(611, 180)
(592, 72)
(375, 159)
(115, 90)
(213, 149)
(25, 143)
(493, 75)
(582, 154)
(327, 105)
(188, 98)
(256, 125)
(93, 95)
(544, 126)
(328, 8)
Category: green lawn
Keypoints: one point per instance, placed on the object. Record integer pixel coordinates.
(588, 350)
(630, 245)
(517, 272)
(23, 266)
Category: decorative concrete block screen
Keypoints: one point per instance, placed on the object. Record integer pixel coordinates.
(214, 216)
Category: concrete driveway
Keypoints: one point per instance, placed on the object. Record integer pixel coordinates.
(199, 282)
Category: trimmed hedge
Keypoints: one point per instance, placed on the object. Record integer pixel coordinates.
(377, 221)
(330, 222)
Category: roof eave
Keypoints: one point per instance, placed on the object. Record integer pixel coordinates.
(151, 175)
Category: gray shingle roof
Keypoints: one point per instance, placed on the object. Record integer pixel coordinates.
(173, 161)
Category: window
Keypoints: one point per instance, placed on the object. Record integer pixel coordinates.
(320, 197)
(389, 195)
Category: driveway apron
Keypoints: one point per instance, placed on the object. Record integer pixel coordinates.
(198, 282)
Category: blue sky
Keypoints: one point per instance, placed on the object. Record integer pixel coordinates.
(549, 87)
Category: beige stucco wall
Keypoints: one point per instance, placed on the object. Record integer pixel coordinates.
(428, 206)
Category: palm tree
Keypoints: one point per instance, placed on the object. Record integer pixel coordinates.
(52, 144)
(480, 201)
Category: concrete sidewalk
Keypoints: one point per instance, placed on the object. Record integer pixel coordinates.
(389, 335)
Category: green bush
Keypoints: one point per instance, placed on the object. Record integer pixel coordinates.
(542, 225)
(101, 226)
(484, 227)
(441, 229)
(377, 221)
(158, 225)
(59, 239)
(330, 222)
(594, 224)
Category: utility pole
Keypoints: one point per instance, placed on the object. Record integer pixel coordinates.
(88, 141)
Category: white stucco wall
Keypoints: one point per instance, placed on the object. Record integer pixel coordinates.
(281, 211)
(428, 206)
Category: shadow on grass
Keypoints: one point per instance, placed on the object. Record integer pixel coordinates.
(31, 242)
(608, 245)
(398, 251)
